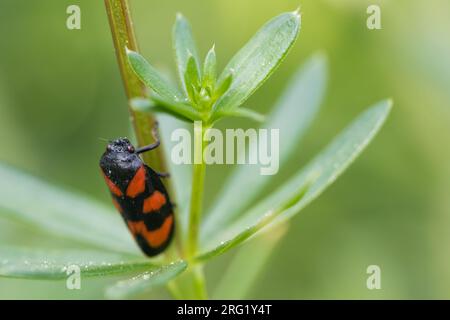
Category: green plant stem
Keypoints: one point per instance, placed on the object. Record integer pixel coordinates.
(198, 186)
(189, 285)
(123, 37)
(174, 290)
(195, 276)
(196, 208)
(199, 283)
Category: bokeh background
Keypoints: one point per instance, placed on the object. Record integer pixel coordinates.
(60, 91)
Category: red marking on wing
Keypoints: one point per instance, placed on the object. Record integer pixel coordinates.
(137, 184)
(155, 238)
(154, 202)
(112, 187)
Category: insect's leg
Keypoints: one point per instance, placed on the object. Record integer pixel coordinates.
(153, 145)
(163, 174)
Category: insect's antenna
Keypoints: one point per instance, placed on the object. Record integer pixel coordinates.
(103, 139)
(153, 145)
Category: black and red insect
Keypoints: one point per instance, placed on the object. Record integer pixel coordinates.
(139, 194)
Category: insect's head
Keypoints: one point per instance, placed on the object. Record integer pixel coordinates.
(120, 145)
(120, 159)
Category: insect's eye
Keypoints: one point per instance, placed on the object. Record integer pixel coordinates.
(130, 149)
(109, 148)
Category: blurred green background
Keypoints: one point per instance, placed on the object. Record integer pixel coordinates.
(60, 91)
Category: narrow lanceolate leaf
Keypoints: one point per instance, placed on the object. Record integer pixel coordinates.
(184, 46)
(152, 78)
(242, 113)
(237, 234)
(157, 105)
(292, 116)
(145, 282)
(248, 264)
(224, 85)
(327, 166)
(62, 213)
(57, 264)
(254, 63)
(210, 71)
(191, 78)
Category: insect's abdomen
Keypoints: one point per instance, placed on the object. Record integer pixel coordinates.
(145, 206)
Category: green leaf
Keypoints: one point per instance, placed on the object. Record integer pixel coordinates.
(184, 46)
(62, 213)
(210, 71)
(301, 98)
(145, 282)
(327, 166)
(247, 265)
(157, 105)
(241, 232)
(191, 78)
(181, 174)
(224, 85)
(242, 113)
(254, 63)
(53, 264)
(152, 78)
